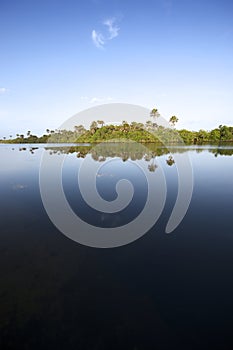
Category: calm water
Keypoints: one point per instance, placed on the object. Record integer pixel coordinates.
(159, 292)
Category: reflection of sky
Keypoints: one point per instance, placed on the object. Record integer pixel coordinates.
(213, 180)
(14, 160)
(108, 175)
(213, 176)
(183, 279)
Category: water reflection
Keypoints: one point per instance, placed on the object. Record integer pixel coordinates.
(162, 289)
(129, 151)
(126, 151)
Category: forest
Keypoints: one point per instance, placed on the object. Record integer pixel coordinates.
(150, 132)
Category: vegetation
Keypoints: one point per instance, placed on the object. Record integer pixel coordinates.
(128, 151)
(150, 132)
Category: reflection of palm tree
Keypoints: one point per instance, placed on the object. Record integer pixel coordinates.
(81, 155)
(124, 157)
(170, 161)
(94, 156)
(147, 157)
(152, 167)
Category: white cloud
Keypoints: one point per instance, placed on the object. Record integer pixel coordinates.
(112, 32)
(3, 90)
(112, 28)
(98, 39)
(95, 99)
(100, 100)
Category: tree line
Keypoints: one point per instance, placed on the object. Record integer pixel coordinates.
(150, 132)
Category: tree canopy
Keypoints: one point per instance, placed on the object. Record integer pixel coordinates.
(136, 131)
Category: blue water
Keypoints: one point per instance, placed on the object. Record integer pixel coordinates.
(162, 291)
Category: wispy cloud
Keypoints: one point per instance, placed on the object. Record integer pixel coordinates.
(99, 39)
(3, 90)
(113, 29)
(95, 99)
(100, 100)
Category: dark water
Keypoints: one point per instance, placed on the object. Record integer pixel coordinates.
(162, 291)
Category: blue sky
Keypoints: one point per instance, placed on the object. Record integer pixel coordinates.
(60, 57)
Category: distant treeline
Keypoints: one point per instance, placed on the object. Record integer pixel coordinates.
(150, 132)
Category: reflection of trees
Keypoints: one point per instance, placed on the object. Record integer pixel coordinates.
(132, 151)
(152, 167)
(170, 161)
(128, 150)
(125, 151)
(222, 151)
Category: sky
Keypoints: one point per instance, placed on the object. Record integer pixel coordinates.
(60, 57)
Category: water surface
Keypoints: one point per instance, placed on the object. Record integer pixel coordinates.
(161, 291)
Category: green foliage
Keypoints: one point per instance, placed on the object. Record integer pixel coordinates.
(214, 135)
(173, 120)
(151, 132)
(154, 113)
(134, 131)
(29, 139)
(187, 136)
(221, 134)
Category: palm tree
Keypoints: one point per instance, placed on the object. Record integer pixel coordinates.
(133, 125)
(148, 124)
(93, 127)
(125, 126)
(139, 126)
(79, 129)
(154, 113)
(173, 120)
(100, 122)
